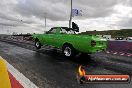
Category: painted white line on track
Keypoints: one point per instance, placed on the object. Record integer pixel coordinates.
(115, 53)
(119, 53)
(107, 52)
(122, 54)
(25, 82)
(129, 55)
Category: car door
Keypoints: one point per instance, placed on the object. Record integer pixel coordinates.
(61, 36)
(55, 38)
(49, 38)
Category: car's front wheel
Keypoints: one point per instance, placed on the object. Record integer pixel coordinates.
(68, 51)
(37, 44)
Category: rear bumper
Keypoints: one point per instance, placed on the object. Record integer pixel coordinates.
(96, 49)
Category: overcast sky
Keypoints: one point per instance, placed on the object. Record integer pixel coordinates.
(27, 16)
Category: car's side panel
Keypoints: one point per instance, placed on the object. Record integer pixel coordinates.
(80, 43)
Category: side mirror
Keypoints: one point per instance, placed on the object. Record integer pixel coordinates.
(75, 27)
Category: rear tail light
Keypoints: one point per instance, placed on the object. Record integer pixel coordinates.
(93, 43)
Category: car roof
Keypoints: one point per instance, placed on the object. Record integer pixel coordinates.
(66, 28)
(60, 27)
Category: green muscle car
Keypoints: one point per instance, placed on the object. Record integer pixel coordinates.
(70, 43)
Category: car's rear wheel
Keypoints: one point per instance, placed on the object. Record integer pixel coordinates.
(68, 51)
(37, 44)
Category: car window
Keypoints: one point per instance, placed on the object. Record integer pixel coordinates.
(63, 31)
(52, 31)
(71, 32)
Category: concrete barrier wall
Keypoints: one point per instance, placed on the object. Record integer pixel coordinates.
(120, 46)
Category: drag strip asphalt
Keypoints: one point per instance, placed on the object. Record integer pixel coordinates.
(47, 68)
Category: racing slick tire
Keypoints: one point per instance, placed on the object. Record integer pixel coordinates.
(68, 51)
(37, 44)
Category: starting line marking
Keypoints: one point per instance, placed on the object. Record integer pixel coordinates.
(25, 82)
(119, 53)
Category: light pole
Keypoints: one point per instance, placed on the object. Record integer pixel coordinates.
(70, 16)
(45, 20)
